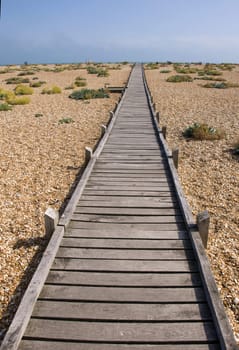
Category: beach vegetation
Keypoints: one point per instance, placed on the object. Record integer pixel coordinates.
(179, 78)
(23, 90)
(86, 94)
(202, 131)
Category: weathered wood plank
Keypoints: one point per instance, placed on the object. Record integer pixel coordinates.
(127, 279)
(122, 332)
(132, 254)
(51, 345)
(121, 312)
(127, 219)
(133, 193)
(132, 204)
(124, 265)
(132, 227)
(126, 211)
(126, 243)
(133, 233)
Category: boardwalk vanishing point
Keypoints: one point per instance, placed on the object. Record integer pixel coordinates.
(125, 268)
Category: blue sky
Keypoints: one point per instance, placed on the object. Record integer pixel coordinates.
(115, 30)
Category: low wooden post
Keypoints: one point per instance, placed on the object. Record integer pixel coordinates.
(203, 221)
(51, 218)
(116, 105)
(175, 156)
(88, 155)
(103, 130)
(164, 131)
(157, 117)
(111, 114)
(154, 106)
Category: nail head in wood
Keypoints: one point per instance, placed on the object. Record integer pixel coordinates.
(51, 218)
(175, 156)
(88, 154)
(164, 132)
(203, 221)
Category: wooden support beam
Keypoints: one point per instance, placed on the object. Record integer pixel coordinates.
(88, 155)
(164, 132)
(116, 106)
(51, 218)
(157, 117)
(103, 130)
(175, 156)
(154, 106)
(203, 221)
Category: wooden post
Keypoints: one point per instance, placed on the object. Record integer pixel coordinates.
(103, 130)
(154, 106)
(51, 218)
(111, 114)
(88, 155)
(164, 131)
(203, 221)
(116, 105)
(175, 155)
(157, 117)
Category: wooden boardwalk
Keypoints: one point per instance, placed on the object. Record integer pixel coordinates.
(127, 274)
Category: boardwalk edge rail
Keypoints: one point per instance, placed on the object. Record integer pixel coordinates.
(22, 316)
(223, 327)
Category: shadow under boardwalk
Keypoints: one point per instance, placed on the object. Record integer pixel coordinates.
(125, 274)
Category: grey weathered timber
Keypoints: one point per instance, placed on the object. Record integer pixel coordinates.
(130, 271)
(203, 221)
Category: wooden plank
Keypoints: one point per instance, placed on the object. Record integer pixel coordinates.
(132, 227)
(126, 243)
(128, 234)
(126, 211)
(126, 204)
(51, 345)
(99, 294)
(131, 254)
(124, 265)
(121, 312)
(125, 201)
(122, 332)
(127, 185)
(160, 178)
(127, 279)
(133, 193)
(127, 219)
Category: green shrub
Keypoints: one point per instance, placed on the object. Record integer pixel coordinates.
(200, 131)
(23, 90)
(165, 71)
(5, 107)
(179, 78)
(53, 90)
(185, 70)
(79, 82)
(5, 94)
(18, 101)
(103, 73)
(86, 94)
(222, 85)
(92, 70)
(209, 78)
(17, 80)
(27, 72)
(66, 121)
(37, 84)
(38, 115)
(152, 65)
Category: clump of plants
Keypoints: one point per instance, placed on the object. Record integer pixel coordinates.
(179, 78)
(102, 73)
(86, 94)
(80, 82)
(202, 131)
(165, 71)
(184, 69)
(66, 121)
(5, 107)
(27, 72)
(37, 84)
(17, 80)
(52, 90)
(221, 85)
(152, 65)
(18, 100)
(23, 90)
(209, 78)
(38, 115)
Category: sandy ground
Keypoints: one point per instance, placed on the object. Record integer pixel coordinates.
(39, 161)
(208, 172)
